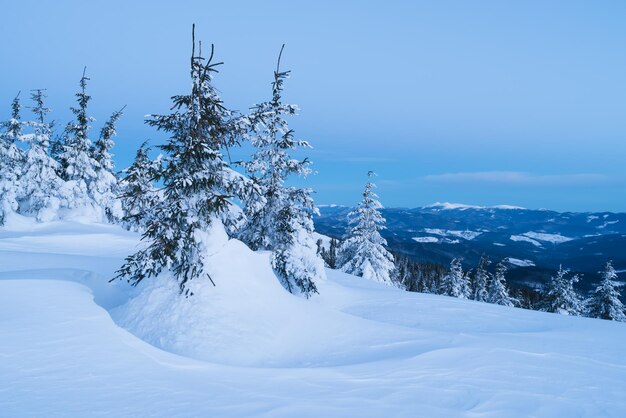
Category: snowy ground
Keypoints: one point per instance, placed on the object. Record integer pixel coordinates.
(357, 349)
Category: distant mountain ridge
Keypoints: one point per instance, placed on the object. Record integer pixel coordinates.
(535, 241)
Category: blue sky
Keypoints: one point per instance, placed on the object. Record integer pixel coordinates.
(481, 102)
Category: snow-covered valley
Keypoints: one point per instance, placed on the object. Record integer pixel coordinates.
(246, 347)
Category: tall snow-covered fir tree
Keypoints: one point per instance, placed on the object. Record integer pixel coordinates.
(104, 189)
(560, 296)
(78, 167)
(42, 191)
(281, 221)
(605, 300)
(498, 292)
(88, 168)
(197, 184)
(139, 195)
(363, 252)
(11, 161)
(481, 280)
(455, 283)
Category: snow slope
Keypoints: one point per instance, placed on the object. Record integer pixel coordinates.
(357, 349)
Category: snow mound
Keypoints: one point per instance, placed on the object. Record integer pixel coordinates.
(246, 318)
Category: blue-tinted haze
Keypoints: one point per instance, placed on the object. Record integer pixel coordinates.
(481, 102)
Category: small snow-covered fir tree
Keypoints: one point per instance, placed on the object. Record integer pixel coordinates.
(561, 296)
(78, 167)
(403, 274)
(455, 283)
(197, 184)
(104, 189)
(139, 195)
(332, 253)
(498, 292)
(363, 252)
(281, 221)
(11, 161)
(481, 280)
(42, 191)
(605, 300)
(329, 255)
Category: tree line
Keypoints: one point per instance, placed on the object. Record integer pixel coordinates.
(485, 284)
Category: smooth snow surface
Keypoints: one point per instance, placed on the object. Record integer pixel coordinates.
(251, 349)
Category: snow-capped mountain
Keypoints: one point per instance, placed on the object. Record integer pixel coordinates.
(540, 240)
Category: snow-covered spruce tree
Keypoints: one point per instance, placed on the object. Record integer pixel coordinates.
(363, 252)
(455, 283)
(481, 280)
(11, 161)
(498, 292)
(139, 195)
(197, 184)
(104, 189)
(282, 220)
(560, 296)
(605, 300)
(42, 191)
(78, 167)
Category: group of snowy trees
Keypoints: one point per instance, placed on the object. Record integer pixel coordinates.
(178, 199)
(199, 185)
(558, 296)
(604, 302)
(479, 284)
(46, 177)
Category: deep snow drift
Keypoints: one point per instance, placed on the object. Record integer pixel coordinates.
(248, 348)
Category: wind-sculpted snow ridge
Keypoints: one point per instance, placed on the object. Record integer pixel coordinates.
(359, 348)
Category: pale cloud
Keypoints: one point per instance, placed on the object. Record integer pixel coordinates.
(519, 178)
